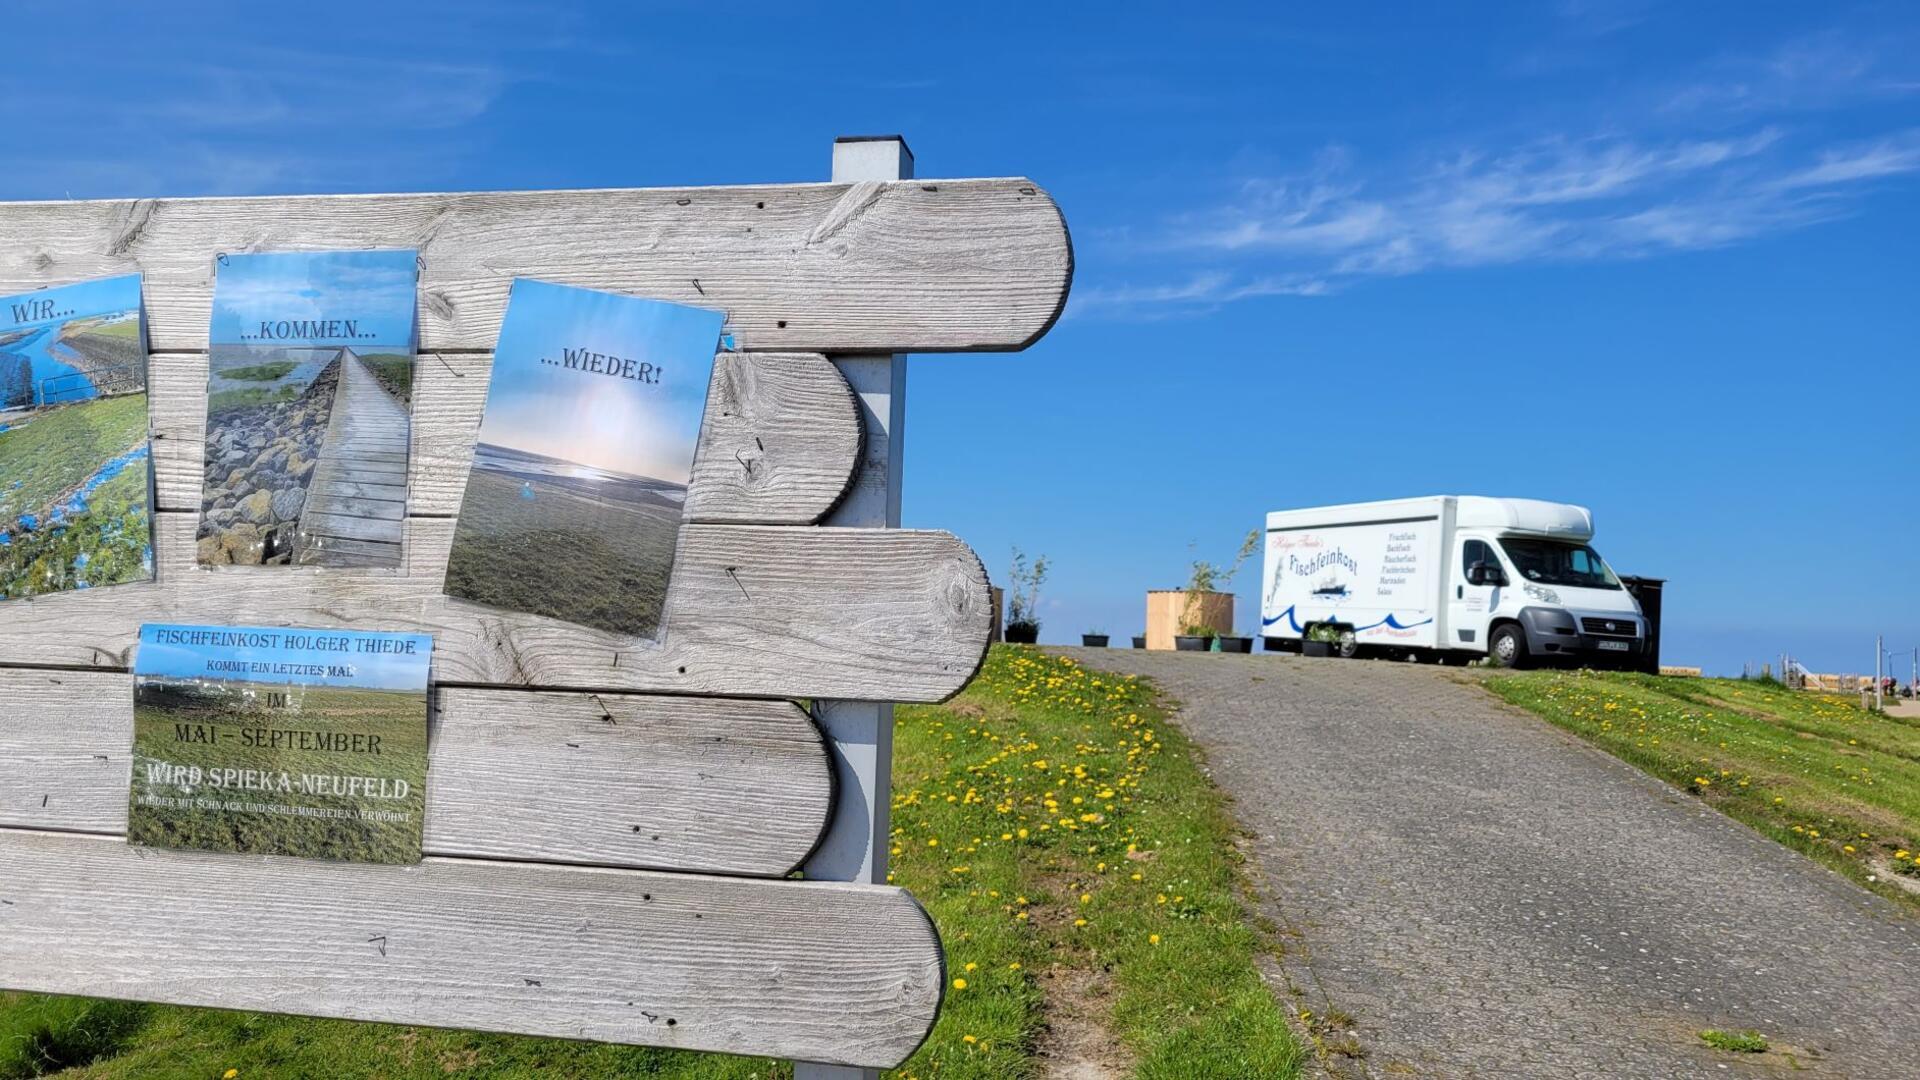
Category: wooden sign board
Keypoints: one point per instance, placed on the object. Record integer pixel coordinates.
(609, 820)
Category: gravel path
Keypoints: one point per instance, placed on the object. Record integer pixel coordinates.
(1489, 896)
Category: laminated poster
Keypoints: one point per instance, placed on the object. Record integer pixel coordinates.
(277, 741)
(309, 385)
(586, 447)
(76, 481)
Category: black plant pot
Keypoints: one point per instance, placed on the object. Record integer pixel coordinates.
(1191, 643)
(1140, 641)
(1317, 648)
(1236, 644)
(1022, 633)
(1094, 641)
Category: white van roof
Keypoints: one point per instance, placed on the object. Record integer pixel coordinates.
(1535, 517)
(1563, 521)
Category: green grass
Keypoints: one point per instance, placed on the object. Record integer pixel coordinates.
(164, 711)
(49, 457)
(247, 397)
(127, 329)
(562, 554)
(1814, 771)
(260, 372)
(1739, 1042)
(1190, 1006)
(1051, 818)
(60, 447)
(394, 372)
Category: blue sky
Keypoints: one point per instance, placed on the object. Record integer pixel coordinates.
(372, 289)
(629, 425)
(1651, 258)
(369, 671)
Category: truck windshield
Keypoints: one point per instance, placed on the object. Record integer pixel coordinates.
(1549, 562)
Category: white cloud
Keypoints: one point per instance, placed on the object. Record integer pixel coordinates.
(1554, 199)
(1890, 156)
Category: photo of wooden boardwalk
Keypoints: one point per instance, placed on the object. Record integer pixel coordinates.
(356, 504)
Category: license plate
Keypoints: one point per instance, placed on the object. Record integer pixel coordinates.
(1616, 646)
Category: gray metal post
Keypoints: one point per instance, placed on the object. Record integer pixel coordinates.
(1879, 657)
(855, 847)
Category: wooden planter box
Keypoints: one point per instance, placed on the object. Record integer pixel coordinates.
(1167, 613)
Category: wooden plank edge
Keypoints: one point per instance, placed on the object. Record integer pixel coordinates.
(823, 1048)
(72, 738)
(1066, 275)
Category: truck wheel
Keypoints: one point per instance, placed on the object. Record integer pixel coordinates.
(1508, 646)
(1348, 646)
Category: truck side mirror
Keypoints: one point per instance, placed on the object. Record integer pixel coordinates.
(1477, 574)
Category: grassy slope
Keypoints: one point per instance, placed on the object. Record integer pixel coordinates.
(260, 372)
(49, 457)
(1189, 1006)
(394, 372)
(562, 554)
(58, 449)
(1814, 771)
(1050, 816)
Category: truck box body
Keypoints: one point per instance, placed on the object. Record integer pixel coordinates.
(1445, 574)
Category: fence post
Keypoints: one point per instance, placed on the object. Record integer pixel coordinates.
(861, 732)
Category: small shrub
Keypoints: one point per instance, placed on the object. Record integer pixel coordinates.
(1738, 1042)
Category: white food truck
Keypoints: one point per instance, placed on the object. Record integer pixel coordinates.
(1447, 577)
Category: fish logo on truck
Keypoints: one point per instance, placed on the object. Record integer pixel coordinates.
(1331, 589)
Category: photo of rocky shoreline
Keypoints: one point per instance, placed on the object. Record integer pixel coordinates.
(264, 437)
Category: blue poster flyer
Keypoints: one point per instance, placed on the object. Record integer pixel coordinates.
(279, 741)
(76, 482)
(572, 509)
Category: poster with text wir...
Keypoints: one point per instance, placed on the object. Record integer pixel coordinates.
(572, 509)
(76, 479)
(309, 388)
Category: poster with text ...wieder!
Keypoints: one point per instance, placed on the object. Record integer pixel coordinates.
(309, 388)
(76, 487)
(277, 741)
(580, 475)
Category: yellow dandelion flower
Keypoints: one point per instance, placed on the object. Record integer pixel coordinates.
(959, 984)
(1153, 939)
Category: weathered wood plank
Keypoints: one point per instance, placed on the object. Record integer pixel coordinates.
(778, 445)
(349, 527)
(773, 611)
(668, 783)
(816, 970)
(925, 266)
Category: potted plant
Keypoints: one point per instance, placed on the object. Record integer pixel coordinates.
(1194, 637)
(1197, 634)
(1094, 639)
(1023, 596)
(1322, 639)
(1235, 643)
(1139, 641)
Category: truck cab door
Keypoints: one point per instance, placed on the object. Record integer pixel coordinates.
(1469, 604)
